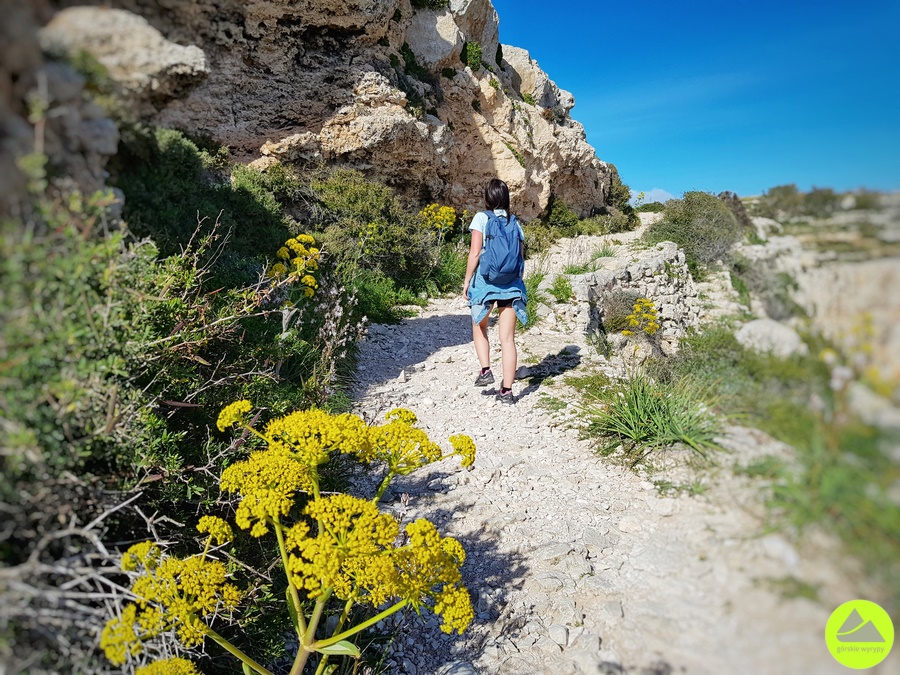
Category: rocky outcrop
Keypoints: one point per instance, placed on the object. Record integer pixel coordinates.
(151, 69)
(772, 337)
(375, 85)
(43, 110)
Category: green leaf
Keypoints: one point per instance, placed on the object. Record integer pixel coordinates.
(342, 648)
(292, 610)
(246, 669)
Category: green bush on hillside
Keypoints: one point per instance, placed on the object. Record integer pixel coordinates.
(471, 55)
(701, 224)
(366, 227)
(168, 189)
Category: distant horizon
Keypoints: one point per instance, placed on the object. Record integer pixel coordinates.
(717, 98)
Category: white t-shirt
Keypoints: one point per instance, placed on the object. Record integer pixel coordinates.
(479, 222)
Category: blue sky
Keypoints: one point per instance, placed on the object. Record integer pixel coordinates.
(713, 96)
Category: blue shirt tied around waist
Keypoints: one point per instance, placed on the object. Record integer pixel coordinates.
(482, 294)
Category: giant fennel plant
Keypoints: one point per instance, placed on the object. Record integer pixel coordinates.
(338, 545)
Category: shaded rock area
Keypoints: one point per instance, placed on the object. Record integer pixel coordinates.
(375, 85)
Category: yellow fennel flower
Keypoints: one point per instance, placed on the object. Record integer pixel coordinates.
(233, 413)
(146, 554)
(283, 253)
(311, 435)
(277, 270)
(267, 482)
(173, 666)
(217, 528)
(428, 571)
(118, 639)
(402, 415)
(352, 534)
(454, 605)
(465, 448)
(403, 447)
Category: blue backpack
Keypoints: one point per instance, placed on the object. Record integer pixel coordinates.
(501, 259)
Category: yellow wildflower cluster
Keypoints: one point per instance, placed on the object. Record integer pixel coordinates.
(298, 262)
(644, 318)
(428, 567)
(403, 447)
(345, 555)
(234, 413)
(173, 666)
(465, 448)
(310, 435)
(218, 529)
(172, 594)
(267, 481)
(353, 555)
(438, 218)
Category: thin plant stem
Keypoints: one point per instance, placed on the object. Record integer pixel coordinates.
(340, 625)
(279, 534)
(360, 626)
(384, 484)
(234, 651)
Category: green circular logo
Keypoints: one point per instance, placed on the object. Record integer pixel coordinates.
(859, 634)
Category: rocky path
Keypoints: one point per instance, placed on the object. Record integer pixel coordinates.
(576, 564)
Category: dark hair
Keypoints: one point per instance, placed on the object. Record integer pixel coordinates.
(496, 195)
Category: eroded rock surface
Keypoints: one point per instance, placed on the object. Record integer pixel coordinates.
(374, 85)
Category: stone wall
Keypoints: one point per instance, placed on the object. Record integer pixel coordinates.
(659, 273)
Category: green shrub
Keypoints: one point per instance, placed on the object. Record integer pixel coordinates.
(412, 66)
(700, 224)
(167, 189)
(774, 289)
(449, 73)
(430, 4)
(562, 288)
(560, 216)
(528, 98)
(451, 269)
(652, 207)
(471, 55)
(736, 206)
(535, 297)
(539, 237)
(616, 308)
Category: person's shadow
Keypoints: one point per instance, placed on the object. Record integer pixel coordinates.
(568, 358)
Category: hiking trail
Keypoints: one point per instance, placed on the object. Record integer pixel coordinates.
(576, 564)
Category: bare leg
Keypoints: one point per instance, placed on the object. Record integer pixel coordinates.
(507, 327)
(480, 338)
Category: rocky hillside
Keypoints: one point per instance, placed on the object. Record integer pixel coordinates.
(425, 100)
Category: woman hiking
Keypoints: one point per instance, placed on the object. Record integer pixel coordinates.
(494, 276)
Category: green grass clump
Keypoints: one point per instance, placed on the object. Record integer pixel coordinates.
(644, 415)
(430, 4)
(562, 288)
(163, 176)
(471, 55)
(535, 297)
(528, 98)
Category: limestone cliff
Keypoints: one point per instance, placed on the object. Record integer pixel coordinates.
(376, 85)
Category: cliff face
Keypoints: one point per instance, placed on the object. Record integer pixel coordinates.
(375, 85)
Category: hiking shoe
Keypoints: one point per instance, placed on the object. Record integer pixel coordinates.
(484, 379)
(506, 397)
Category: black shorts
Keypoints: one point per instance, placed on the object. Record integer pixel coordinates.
(504, 303)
